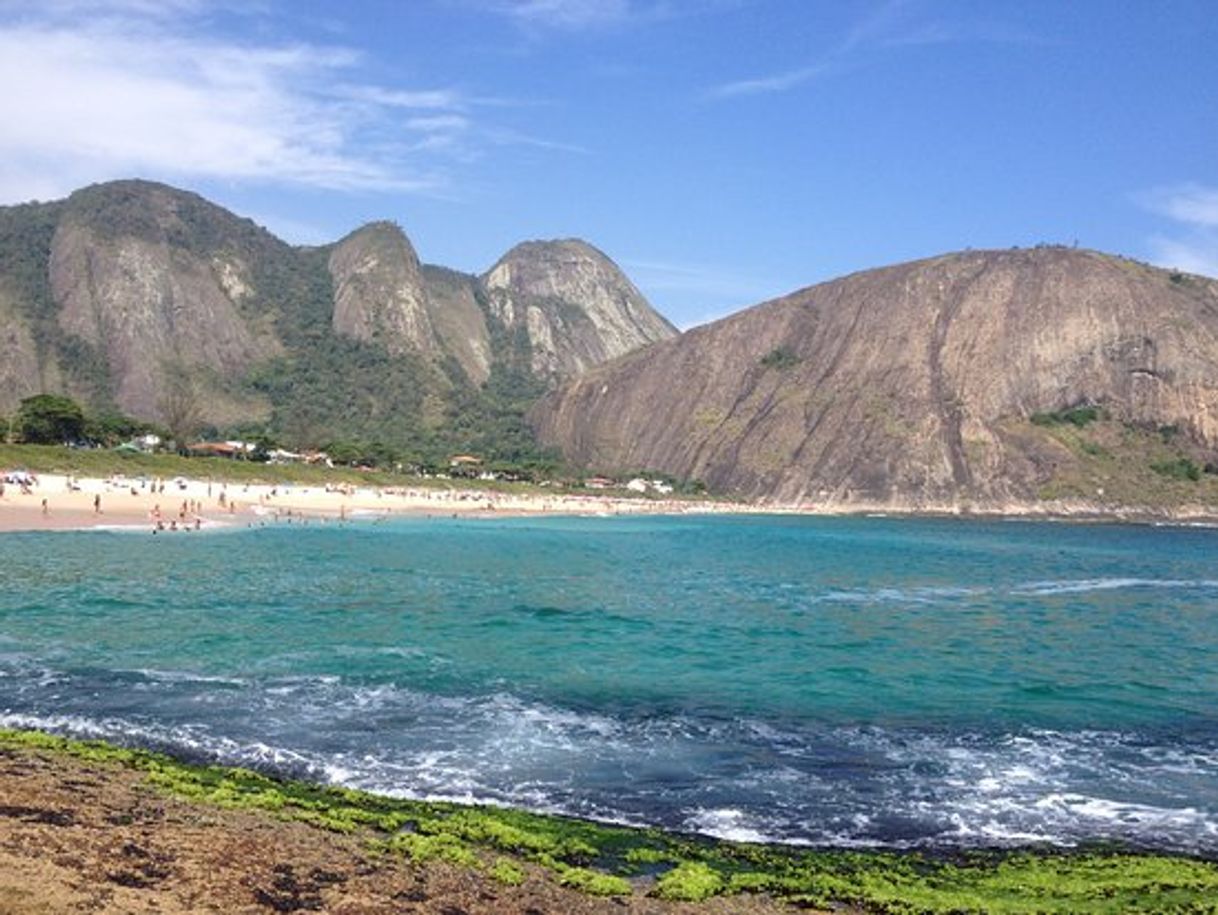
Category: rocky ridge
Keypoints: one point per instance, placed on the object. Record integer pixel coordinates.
(108, 293)
(911, 385)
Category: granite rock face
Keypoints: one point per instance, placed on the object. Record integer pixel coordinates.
(577, 306)
(459, 319)
(912, 383)
(153, 277)
(378, 290)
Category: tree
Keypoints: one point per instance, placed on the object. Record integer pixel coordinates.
(50, 419)
(179, 406)
(110, 428)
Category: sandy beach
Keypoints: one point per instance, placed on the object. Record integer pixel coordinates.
(59, 502)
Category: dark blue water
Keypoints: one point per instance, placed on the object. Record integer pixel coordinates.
(844, 681)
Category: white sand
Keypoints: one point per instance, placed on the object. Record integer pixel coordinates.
(69, 503)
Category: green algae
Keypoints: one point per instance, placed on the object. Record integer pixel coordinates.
(601, 860)
(507, 872)
(690, 881)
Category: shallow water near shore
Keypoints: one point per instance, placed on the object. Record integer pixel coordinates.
(892, 682)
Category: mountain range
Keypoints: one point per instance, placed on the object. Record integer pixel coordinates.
(127, 291)
(973, 378)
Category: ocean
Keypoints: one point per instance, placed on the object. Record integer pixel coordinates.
(869, 682)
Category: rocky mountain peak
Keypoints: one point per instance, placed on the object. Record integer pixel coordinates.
(379, 294)
(578, 306)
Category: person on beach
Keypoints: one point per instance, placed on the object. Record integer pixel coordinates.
(46, 509)
(97, 504)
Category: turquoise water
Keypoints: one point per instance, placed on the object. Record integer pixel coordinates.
(845, 681)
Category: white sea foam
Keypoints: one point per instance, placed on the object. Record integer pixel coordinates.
(1082, 586)
(725, 823)
(183, 676)
(929, 594)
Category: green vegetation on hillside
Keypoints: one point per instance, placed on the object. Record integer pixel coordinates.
(1177, 468)
(782, 357)
(332, 390)
(1127, 465)
(1075, 416)
(617, 861)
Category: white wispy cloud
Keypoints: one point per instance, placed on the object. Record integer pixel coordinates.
(401, 98)
(439, 123)
(67, 9)
(596, 15)
(891, 24)
(578, 15)
(1193, 244)
(568, 14)
(776, 82)
(502, 136)
(115, 101)
(146, 87)
(1192, 204)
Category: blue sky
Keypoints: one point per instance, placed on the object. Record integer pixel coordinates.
(722, 151)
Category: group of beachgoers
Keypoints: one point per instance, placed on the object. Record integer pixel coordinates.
(179, 504)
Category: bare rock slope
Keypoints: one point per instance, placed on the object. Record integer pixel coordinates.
(163, 290)
(910, 384)
(577, 306)
(378, 290)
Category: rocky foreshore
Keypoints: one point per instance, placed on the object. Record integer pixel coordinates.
(91, 827)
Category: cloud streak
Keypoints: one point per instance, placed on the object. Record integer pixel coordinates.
(132, 87)
(1192, 204)
(568, 14)
(1193, 245)
(581, 15)
(887, 26)
(111, 103)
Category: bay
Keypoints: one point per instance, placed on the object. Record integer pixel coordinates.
(846, 681)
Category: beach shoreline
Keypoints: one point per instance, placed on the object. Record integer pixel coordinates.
(60, 502)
